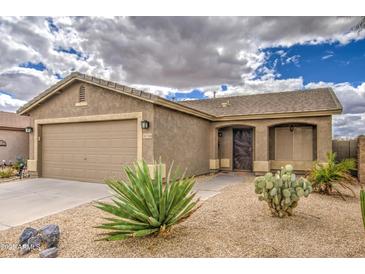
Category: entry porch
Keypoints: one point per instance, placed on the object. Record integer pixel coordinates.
(264, 145)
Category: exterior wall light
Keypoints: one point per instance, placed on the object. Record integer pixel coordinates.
(28, 129)
(145, 124)
(291, 128)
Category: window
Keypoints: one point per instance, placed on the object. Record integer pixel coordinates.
(294, 143)
(82, 94)
(2, 143)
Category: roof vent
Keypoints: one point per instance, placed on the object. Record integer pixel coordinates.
(226, 104)
(82, 95)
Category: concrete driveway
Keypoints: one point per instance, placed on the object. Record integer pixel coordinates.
(25, 201)
(31, 199)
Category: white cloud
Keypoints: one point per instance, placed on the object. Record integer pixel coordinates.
(166, 54)
(157, 90)
(178, 52)
(255, 86)
(327, 56)
(7, 103)
(348, 125)
(293, 59)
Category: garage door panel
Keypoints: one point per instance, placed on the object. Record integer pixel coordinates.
(91, 151)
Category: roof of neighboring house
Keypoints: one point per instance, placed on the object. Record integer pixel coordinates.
(320, 99)
(13, 120)
(293, 102)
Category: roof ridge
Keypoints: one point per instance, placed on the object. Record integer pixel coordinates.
(334, 97)
(93, 79)
(262, 93)
(113, 84)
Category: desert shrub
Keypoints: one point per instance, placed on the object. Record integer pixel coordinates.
(144, 205)
(282, 191)
(19, 163)
(6, 172)
(332, 177)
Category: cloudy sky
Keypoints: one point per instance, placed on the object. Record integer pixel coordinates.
(189, 57)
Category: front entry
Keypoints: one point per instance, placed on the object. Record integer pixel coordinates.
(242, 148)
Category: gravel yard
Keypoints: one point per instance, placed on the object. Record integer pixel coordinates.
(231, 224)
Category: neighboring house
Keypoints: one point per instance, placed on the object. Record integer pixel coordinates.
(86, 128)
(14, 141)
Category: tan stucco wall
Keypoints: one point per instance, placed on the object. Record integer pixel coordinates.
(13, 120)
(226, 148)
(181, 138)
(100, 101)
(17, 145)
(261, 139)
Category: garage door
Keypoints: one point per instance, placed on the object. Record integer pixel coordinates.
(90, 151)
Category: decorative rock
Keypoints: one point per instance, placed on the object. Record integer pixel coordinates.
(24, 249)
(49, 253)
(35, 242)
(50, 235)
(26, 235)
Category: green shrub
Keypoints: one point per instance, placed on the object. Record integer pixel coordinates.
(282, 191)
(20, 162)
(6, 172)
(362, 203)
(328, 177)
(145, 205)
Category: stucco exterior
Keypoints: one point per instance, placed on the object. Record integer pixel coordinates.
(12, 132)
(261, 161)
(182, 139)
(17, 145)
(99, 101)
(177, 133)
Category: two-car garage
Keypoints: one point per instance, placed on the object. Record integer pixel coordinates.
(87, 151)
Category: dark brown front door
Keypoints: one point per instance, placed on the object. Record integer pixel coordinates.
(242, 148)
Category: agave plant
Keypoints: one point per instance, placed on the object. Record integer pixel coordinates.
(331, 176)
(145, 205)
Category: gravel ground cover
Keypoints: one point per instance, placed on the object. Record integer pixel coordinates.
(232, 224)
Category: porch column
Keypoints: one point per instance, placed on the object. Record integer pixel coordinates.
(261, 162)
(214, 160)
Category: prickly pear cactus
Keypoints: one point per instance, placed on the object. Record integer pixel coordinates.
(282, 191)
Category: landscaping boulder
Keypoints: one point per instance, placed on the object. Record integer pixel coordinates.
(49, 253)
(50, 235)
(26, 235)
(25, 248)
(35, 242)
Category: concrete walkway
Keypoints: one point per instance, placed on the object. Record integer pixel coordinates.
(213, 186)
(31, 199)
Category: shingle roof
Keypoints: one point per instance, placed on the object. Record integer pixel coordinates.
(99, 81)
(320, 99)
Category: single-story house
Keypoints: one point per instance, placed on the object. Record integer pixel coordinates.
(14, 141)
(86, 128)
